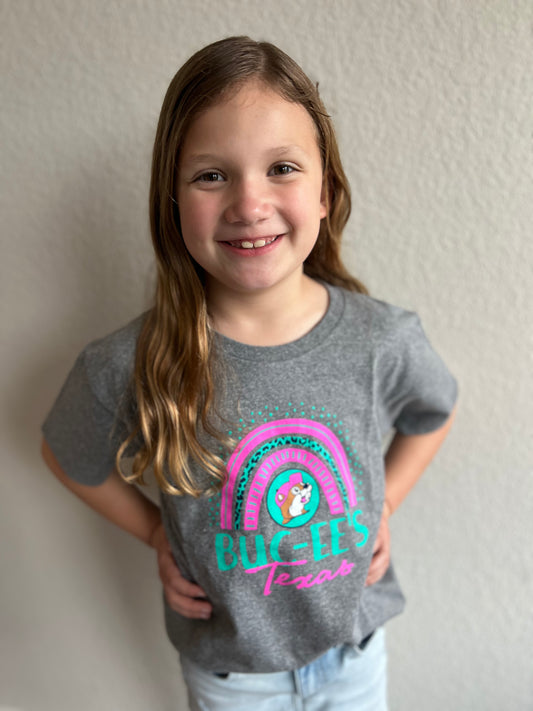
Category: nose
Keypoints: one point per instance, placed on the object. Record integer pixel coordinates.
(249, 202)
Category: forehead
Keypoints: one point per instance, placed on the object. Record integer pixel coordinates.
(253, 112)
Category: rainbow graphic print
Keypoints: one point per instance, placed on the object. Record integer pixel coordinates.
(298, 469)
(273, 448)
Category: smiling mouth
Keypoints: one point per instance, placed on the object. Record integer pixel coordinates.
(252, 244)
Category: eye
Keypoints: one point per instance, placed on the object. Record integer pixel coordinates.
(210, 176)
(295, 490)
(282, 169)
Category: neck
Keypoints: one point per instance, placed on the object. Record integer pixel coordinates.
(269, 317)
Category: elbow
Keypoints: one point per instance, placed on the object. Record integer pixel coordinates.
(45, 452)
(51, 462)
(452, 415)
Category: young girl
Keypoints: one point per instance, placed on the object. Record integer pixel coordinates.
(259, 389)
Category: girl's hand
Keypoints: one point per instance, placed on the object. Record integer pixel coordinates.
(381, 554)
(184, 597)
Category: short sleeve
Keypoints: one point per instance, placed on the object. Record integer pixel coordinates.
(94, 411)
(416, 390)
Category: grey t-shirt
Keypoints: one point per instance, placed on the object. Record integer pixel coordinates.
(284, 549)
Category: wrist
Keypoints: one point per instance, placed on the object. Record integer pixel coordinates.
(387, 508)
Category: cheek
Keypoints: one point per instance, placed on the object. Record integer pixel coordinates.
(305, 204)
(196, 219)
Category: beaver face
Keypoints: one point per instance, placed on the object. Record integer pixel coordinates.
(294, 505)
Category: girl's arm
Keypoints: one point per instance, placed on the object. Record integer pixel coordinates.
(405, 461)
(125, 506)
(117, 501)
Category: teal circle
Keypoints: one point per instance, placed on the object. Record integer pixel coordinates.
(311, 507)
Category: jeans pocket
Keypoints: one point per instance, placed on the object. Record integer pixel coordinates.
(363, 644)
(356, 650)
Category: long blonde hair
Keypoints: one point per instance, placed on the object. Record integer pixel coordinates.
(175, 360)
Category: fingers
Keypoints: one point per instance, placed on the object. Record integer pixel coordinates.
(184, 587)
(378, 566)
(381, 554)
(188, 606)
(183, 596)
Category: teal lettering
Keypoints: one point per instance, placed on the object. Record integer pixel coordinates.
(224, 548)
(360, 528)
(335, 535)
(274, 545)
(315, 537)
(260, 552)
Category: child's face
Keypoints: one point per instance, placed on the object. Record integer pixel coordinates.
(250, 173)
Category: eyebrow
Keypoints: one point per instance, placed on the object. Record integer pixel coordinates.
(281, 150)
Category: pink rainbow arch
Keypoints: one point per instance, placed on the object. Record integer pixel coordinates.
(265, 432)
(268, 469)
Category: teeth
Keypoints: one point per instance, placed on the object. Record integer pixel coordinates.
(245, 244)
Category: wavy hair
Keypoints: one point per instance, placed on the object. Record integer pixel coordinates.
(175, 366)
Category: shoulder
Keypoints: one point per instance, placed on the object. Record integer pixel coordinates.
(109, 361)
(377, 320)
(115, 347)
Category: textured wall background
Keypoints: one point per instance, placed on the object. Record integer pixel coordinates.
(433, 104)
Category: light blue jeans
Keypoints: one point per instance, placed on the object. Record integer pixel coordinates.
(343, 679)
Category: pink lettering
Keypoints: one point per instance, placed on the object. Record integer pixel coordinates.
(345, 568)
(323, 576)
(283, 579)
(302, 581)
(273, 567)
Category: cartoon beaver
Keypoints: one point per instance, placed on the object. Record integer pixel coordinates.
(293, 496)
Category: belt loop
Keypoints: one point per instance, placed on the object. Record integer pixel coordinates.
(297, 683)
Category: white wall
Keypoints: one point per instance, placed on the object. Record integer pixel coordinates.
(433, 104)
